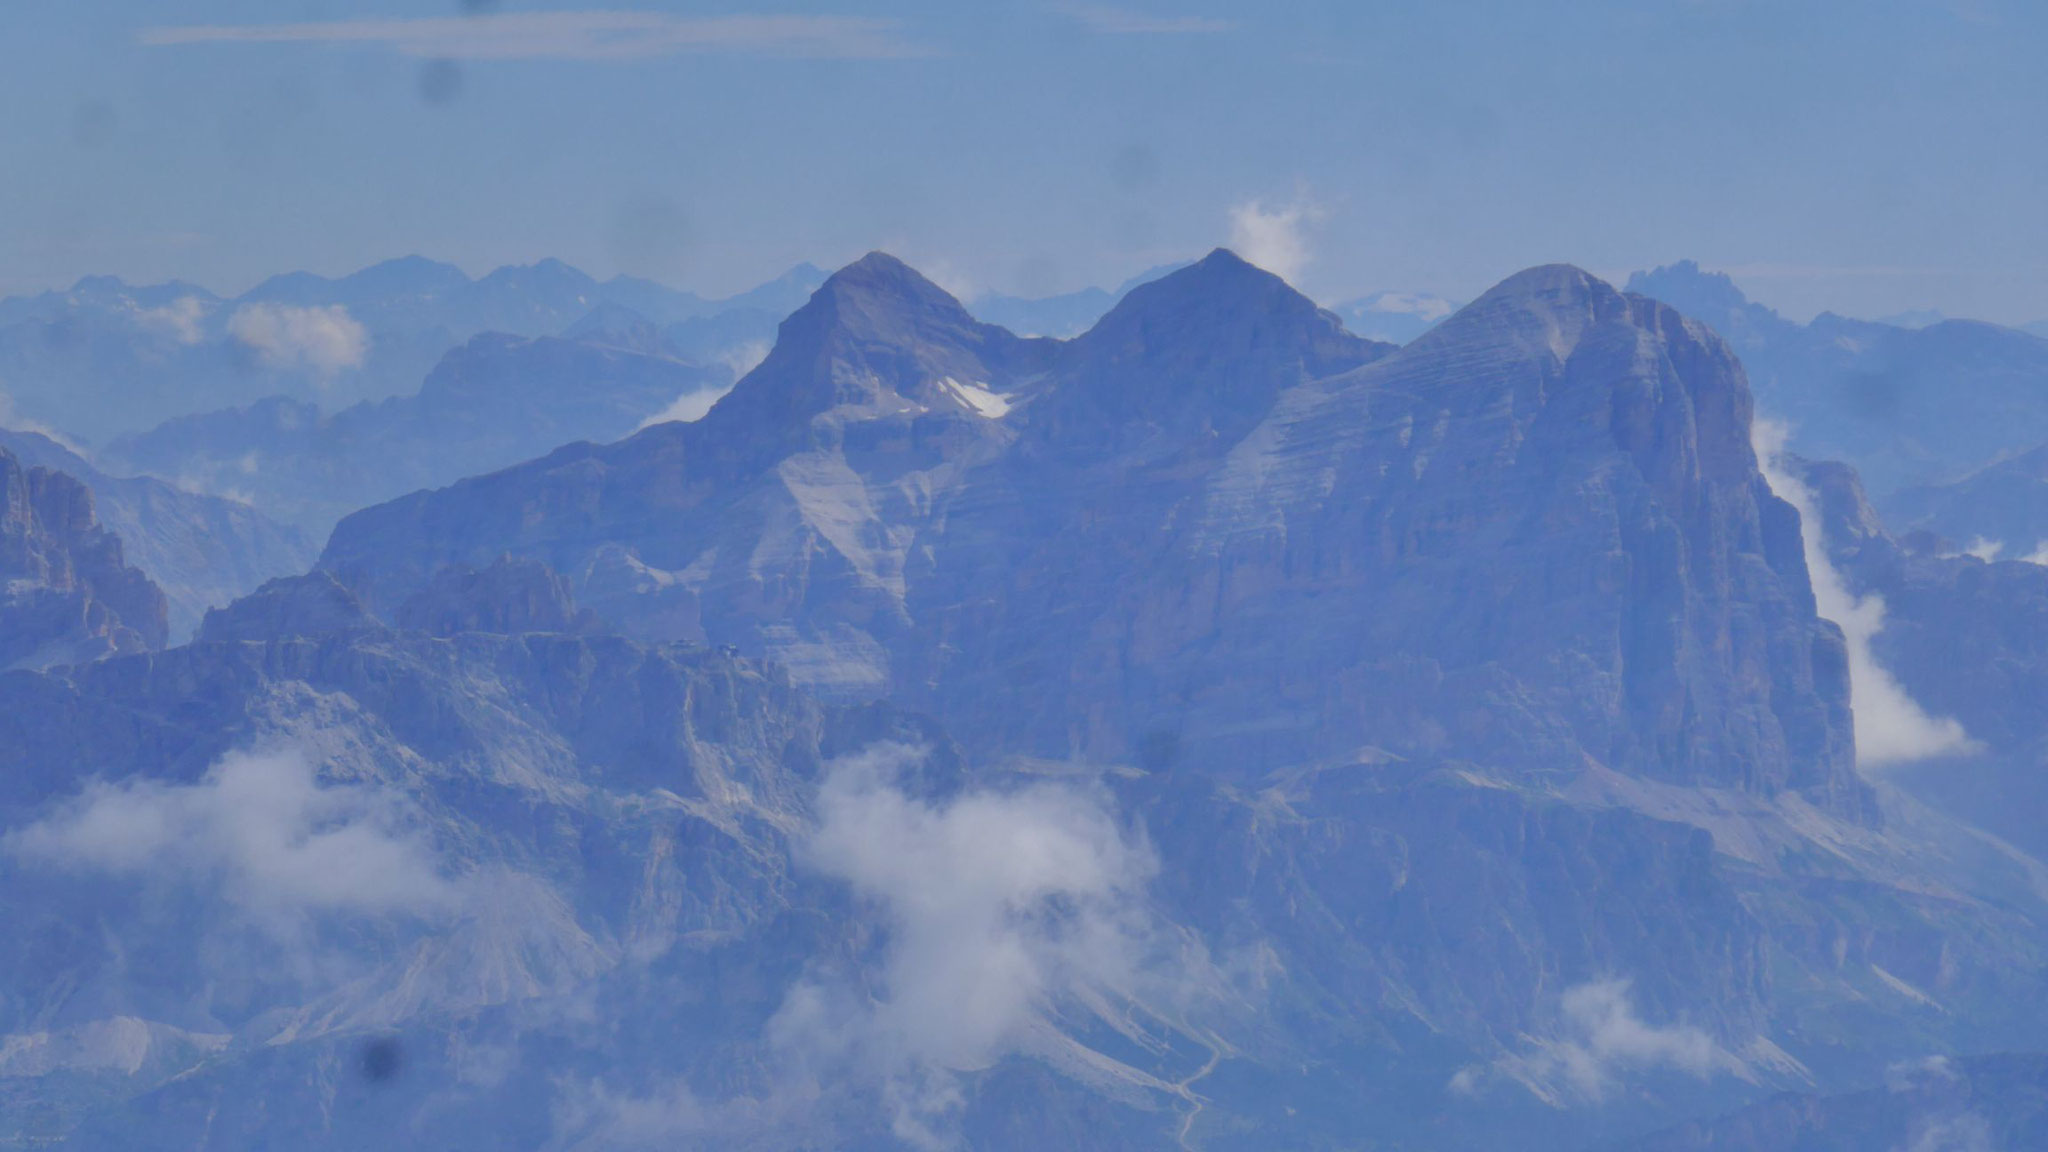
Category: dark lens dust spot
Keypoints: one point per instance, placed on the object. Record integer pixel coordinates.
(382, 1060)
(1158, 750)
(440, 81)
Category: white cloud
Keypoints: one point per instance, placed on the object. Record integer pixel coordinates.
(2039, 555)
(323, 340)
(1601, 1039)
(1000, 907)
(179, 321)
(15, 421)
(1110, 21)
(744, 358)
(276, 842)
(1891, 727)
(1980, 548)
(1274, 239)
(688, 408)
(575, 35)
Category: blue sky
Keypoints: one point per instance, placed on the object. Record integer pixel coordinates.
(1868, 156)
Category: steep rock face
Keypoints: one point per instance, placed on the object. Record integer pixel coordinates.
(1533, 537)
(65, 594)
(1536, 537)
(203, 551)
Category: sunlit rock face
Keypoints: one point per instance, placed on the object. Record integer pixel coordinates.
(1536, 536)
(66, 596)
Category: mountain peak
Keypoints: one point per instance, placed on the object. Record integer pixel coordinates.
(876, 335)
(1550, 306)
(1205, 348)
(406, 275)
(881, 297)
(1221, 280)
(1688, 288)
(1554, 282)
(880, 272)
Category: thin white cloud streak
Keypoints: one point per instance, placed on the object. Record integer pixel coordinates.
(278, 843)
(1110, 21)
(593, 35)
(1275, 239)
(1000, 906)
(323, 340)
(1891, 727)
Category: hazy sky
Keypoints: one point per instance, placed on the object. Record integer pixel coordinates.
(1863, 155)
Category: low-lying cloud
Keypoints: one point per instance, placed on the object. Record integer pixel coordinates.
(261, 827)
(1000, 908)
(182, 321)
(322, 340)
(1891, 727)
(688, 408)
(1600, 1041)
(1275, 239)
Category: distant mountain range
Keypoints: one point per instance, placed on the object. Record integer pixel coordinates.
(1216, 729)
(106, 359)
(493, 402)
(1906, 406)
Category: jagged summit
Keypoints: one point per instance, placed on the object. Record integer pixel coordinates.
(1687, 280)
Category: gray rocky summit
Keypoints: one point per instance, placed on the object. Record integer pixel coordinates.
(1535, 536)
(66, 595)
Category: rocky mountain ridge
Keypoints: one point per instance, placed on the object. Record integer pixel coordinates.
(66, 596)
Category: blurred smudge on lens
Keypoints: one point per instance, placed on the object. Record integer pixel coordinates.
(93, 123)
(440, 81)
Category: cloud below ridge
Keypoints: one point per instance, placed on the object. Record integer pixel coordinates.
(276, 841)
(1601, 1038)
(1000, 908)
(323, 340)
(1891, 727)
